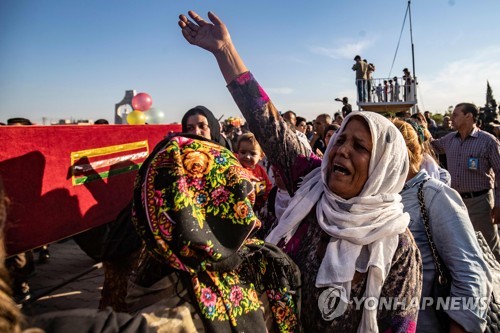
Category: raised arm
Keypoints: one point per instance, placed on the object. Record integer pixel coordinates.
(279, 142)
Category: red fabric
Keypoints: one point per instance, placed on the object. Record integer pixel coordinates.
(39, 178)
(262, 187)
(260, 173)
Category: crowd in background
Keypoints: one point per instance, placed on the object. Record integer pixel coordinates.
(272, 195)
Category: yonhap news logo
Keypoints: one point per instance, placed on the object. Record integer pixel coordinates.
(333, 302)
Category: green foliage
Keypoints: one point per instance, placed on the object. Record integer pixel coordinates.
(438, 118)
(489, 93)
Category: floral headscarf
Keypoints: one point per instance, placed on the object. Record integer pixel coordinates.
(193, 207)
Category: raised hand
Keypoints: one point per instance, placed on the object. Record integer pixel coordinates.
(212, 36)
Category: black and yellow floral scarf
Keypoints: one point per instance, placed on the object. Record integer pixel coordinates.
(193, 208)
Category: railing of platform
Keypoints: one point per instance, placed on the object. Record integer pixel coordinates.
(386, 90)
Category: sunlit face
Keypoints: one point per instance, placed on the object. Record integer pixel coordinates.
(248, 154)
(458, 118)
(302, 126)
(446, 122)
(291, 118)
(349, 159)
(309, 128)
(198, 124)
(328, 136)
(320, 125)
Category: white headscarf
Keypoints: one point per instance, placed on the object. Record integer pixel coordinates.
(430, 165)
(364, 229)
(281, 202)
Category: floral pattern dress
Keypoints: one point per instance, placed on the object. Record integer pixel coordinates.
(308, 245)
(193, 209)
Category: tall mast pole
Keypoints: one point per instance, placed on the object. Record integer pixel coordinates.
(415, 109)
(411, 37)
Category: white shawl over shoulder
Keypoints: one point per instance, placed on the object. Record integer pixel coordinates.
(364, 229)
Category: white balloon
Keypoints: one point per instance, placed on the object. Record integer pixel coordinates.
(154, 116)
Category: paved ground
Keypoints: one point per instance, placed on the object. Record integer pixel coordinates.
(69, 280)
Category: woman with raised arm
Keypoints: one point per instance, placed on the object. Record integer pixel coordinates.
(345, 227)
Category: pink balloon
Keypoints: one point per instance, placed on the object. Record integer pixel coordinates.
(142, 102)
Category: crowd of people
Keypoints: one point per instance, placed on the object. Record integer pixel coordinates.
(283, 225)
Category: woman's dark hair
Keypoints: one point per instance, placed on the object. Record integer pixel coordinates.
(332, 127)
(301, 119)
(213, 124)
(20, 121)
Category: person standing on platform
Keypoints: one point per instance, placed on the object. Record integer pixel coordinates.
(407, 79)
(369, 81)
(396, 91)
(361, 69)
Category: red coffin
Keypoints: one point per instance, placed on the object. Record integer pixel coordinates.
(62, 180)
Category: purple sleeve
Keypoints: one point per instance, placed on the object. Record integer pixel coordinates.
(280, 143)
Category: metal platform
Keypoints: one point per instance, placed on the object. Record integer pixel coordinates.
(386, 107)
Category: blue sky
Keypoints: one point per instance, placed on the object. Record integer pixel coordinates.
(75, 59)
